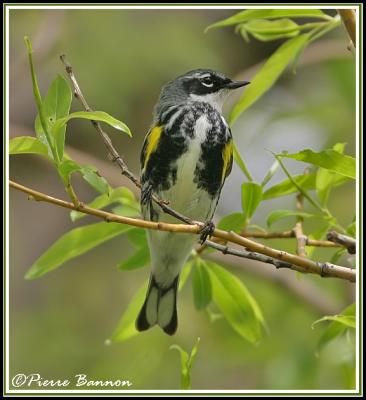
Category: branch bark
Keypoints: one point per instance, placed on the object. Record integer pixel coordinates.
(348, 17)
(288, 235)
(322, 269)
(343, 240)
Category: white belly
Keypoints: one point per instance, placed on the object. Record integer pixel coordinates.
(184, 196)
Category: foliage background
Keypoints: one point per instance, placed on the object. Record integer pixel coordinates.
(58, 324)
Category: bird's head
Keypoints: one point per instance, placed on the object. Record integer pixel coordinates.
(198, 85)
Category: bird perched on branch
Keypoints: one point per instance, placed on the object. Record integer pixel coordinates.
(185, 159)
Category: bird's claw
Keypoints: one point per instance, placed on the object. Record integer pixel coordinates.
(207, 230)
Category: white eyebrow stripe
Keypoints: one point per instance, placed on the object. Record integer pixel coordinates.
(204, 76)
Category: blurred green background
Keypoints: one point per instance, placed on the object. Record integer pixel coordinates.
(59, 323)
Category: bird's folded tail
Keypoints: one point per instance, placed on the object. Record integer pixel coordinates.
(160, 307)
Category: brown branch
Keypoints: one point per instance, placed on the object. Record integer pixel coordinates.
(348, 17)
(195, 226)
(252, 256)
(289, 235)
(322, 269)
(343, 240)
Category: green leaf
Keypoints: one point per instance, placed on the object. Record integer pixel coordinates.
(251, 196)
(306, 182)
(248, 15)
(337, 326)
(126, 326)
(43, 125)
(286, 187)
(90, 174)
(325, 178)
(266, 37)
(274, 167)
(74, 243)
(126, 211)
(337, 255)
(137, 236)
(269, 73)
(56, 105)
(95, 116)
(42, 136)
(265, 30)
(28, 145)
(232, 222)
(201, 285)
(279, 214)
(58, 99)
(256, 227)
(66, 168)
(137, 260)
(347, 320)
(236, 303)
(329, 159)
(186, 363)
(184, 274)
(264, 26)
(121, 195)
(184, 371)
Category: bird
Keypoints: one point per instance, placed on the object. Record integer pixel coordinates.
(186, 156)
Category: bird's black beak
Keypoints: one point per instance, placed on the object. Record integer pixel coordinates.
(236, 84)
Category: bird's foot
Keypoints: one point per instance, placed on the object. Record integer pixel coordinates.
(207, 230)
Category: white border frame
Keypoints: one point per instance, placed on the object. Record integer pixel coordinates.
(117, 392)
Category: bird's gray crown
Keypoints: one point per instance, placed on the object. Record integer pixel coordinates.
(203, 85)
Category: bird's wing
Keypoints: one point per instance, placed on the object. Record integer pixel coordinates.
(227, 155)
(150, 145)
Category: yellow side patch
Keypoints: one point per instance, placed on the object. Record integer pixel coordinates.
(152, 142)
(227, 153)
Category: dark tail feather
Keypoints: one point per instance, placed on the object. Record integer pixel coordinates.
(160, 307)
(143, 322)
(167, 308)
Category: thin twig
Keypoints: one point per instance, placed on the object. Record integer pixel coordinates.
(251, 255)
(348, 17)
(301, 239)
(288, 235)
(348, 242)
(113, 153)
(322, 269)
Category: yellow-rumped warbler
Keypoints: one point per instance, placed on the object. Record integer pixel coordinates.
(186, 156)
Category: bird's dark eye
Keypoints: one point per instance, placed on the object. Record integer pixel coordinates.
(207, 81)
